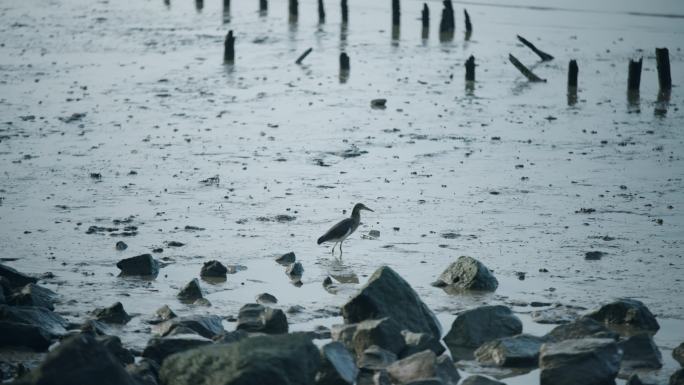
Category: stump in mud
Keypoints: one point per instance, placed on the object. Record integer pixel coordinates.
(229, 48)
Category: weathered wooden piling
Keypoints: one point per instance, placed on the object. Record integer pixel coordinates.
(468, 24)
(470, 69)
(425, 16)
(345, 11)
(294, 8)
(303, 56)
(524, 70)
(448, 23)
(573, 70)
(229, 48)
(634, 75)
(263, 6)
(199, 5)
(226, 5)
(663, 64)
(226, 11)
(396, 12)
(543, 55)
(321, 12)
(344, 62)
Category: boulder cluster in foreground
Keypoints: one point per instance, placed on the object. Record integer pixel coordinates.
(389, 336)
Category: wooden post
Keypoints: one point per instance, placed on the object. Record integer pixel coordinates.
(199, 5)
(226, 5)
(469, 26)
(344, 62)
(304, 55)
(447, 24)
(321, 12)
(229, 48)
(663, 63)
(543, 55)
(470, 69)
(425, 16)
(524, 70)
(294, 8)
(263, 6)
(396, 13)
(634, 76)
(572, 74)
(345, 11)
(226, 11)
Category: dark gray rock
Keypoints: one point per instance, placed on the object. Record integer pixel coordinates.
(626, 312)
(266, 299)
(15, 278)
(94, 328)
(517, 351)
(343, 333)
(468, 273)
(24, 335)
(677, 378)
(417, 342)
(386, 294)
(158, 349)
(295, 270)
(422, 366)
(274, 359)
(254, 317)
(29, 326)
(588, 361)
(636, 379)
(581, 328)
(114, 314)
(446, 370)
(208, 326)
(557, 315)
(382, 332)
(121, 245)
(33, 295)
(213, 269)
(162, 314)
(320, 332)
(376, 358)
(191, 292)
(678, 354)
(338, 366)
(80, 359)
(2, 295)
(145, 372)
(142, 265)
(639, 351)
(480, 380)
(286, 259)
(230, 337)
(474, 327)
(116, 349)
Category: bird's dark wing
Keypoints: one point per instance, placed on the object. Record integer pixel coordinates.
(338, 231)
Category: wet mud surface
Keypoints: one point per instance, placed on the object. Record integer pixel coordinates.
(120, 122)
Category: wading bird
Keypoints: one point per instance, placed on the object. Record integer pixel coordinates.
(344, 228)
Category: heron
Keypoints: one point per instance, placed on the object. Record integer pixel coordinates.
(344, 228)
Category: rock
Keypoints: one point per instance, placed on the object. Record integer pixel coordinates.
(383, 333)
(208, 326)
(158, 349)
(594, 255)
(114, 314)
(417, 342)
(191, 292)
(378, 103)
(94, 328)
(2, 295)
(480, 380)
(678, 354)
(320, 332)
(581, 328)
(677, 378)
(422, 366)
(230, 337)
(15, 278)
(376, 358)
(338, 366)
(557, 315)
(286, 259)
(32, 327)
(468, 274)
(116, 349)
(386, 294)
(588, 361)
(24, 335)
(274, 359)
(381, 378)
(295, 270)
(258, 318)
(639, 351)
(162, 314)
(374, 233)
(474, 327)
(213, 269)
(343, 333)
(626, 312)
(266, 299)
(517, 351)
(143, 265)
(80, 359)
(636, 379)
(145, 372)
(121, 246)
(34, 295)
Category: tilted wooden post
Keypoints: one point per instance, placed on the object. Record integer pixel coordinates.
(321, 12)
(663, 64)
(229, 48)
(470, 69)
(345, 11)
(396, 12)
(634, 76)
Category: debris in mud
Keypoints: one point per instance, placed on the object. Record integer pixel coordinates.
(585, 211)
(193, 228)
(351, 152)
(594, 255)
(121, 245)
(379, 104)
(174, 244)
(211, 181)
(76, 116)
(281, 218)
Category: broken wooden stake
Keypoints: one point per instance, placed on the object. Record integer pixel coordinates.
(425, 16)
(543, 55)
(263, 6)
(294, 8)
(634, 76)
(524, 70)
(663, 64)
(572, 74)
(470, 69)
(448, 23)
(344, 62)
(396, 13)
(199, 5)
(229, 48)
(345, 11)
(321, 12)
(303, 56)
(468, 25)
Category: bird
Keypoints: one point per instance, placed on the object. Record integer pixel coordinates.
(344, 228)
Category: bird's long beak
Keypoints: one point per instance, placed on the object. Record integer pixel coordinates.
(366, 208)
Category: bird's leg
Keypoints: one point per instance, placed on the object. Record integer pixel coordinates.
(341, 249)
(332, 251)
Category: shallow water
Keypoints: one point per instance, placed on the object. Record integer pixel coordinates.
(500, 173)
